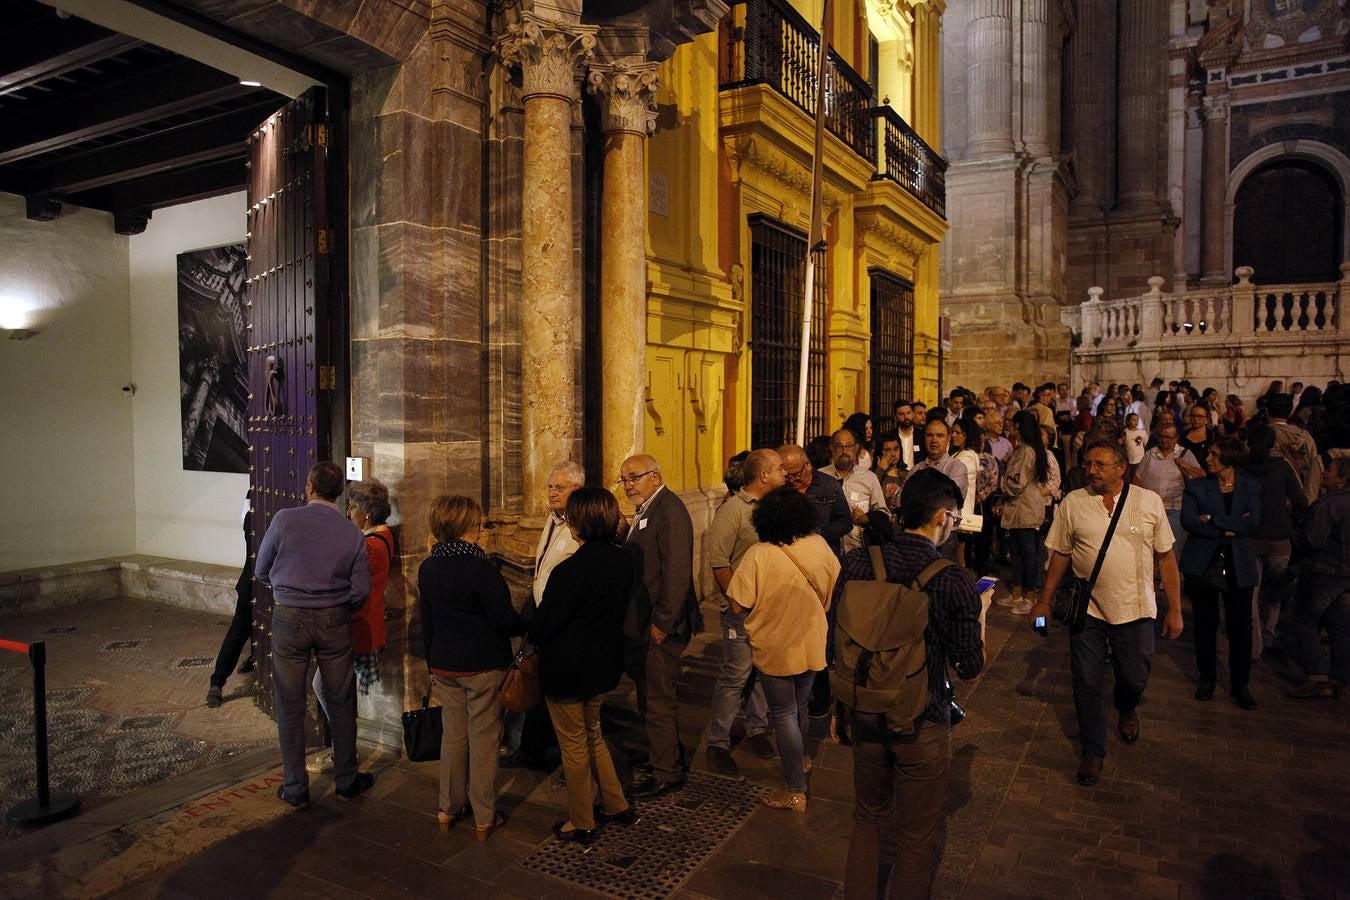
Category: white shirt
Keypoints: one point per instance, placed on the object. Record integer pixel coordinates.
(1124, 589)
(1160, 474)
(1135, 439)
(555, 545)
(907, 447)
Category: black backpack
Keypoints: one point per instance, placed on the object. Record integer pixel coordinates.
(880, 668)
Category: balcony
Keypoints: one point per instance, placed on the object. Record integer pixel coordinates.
(777, 47)
(906, 159)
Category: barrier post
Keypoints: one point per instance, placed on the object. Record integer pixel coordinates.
(45, 807)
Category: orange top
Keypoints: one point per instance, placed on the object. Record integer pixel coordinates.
(368, 623)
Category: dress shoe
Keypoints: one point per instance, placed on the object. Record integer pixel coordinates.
(363, 782)
(651, 789)
(1243, 696)
(761, 746)
(300, 802)
(564, 831)
(1205, 690)
(625, 818)
(246, 666)
(720, 761)
(1089, 769)
(1128, 727)
(1311, 690)
(213, 697)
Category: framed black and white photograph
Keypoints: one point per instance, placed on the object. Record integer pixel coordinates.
(213, 370)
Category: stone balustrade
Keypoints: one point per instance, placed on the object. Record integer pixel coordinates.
(1238, 337)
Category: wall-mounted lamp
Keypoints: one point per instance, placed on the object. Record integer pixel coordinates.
(21, 334)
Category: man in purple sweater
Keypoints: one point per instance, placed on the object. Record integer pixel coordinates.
(315, 560)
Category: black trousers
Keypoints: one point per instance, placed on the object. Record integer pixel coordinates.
(240, 630)
(1206, 599)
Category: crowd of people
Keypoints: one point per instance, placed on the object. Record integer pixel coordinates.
(1156, 497)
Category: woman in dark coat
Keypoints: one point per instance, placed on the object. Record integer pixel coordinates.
(578, 633)
(467, 624)
(1221, 514)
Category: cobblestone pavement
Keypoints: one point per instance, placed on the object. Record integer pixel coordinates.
(126, 689)
(1213, 802)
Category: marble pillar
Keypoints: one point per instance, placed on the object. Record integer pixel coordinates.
(1036, 96)
(1213, 188)
(549, 55)
(627, 96)
(1141, 82)
(1091, 105)
(989, 65)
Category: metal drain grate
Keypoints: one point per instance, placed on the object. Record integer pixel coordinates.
(653, 857)
(63, 629)
(194, 662)
(121, 645)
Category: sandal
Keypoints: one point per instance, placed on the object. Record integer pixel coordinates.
(483, 832)
(793, 800)
(452, 819)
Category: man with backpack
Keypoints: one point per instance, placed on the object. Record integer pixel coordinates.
(892, 649)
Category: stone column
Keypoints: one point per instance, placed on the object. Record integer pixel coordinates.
(989, 80)
(1142, 57)
(1036, 77)
(548, 54)
(1213, 187)
(1091, 104)
(627, 96)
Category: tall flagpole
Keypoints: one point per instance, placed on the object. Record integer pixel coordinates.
(817, 233)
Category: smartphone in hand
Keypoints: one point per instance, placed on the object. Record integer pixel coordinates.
(985, 584)
(1040, 627)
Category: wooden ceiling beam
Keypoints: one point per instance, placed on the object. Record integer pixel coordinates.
(40, 69)
(209, 179)
(147, 97)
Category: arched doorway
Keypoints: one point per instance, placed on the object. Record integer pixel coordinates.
(1287, 223)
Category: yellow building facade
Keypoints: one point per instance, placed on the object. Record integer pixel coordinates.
(729, 205)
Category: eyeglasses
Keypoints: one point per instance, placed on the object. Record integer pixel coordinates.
(953, 515)
(634, 479)
(794, 476)
(1094, 464)
(558, 488)
(837, 446)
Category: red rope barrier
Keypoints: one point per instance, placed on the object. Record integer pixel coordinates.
(14, 646)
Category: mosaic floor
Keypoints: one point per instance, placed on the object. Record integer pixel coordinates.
(126, 684)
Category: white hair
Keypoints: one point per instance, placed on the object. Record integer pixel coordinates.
(574, 472)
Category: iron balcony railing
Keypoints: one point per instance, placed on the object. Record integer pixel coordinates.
(778, 47)
(781, 49)
(908, 160)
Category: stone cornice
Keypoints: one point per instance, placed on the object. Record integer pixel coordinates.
(763, 156)
(548, 54)
(628, 96)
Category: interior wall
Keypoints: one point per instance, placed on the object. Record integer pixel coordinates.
(180, 514)
(65, 424)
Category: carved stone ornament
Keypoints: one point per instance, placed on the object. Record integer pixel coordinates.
(1216, 107)
(628, 96)
(757, 153)
(900, 241)
(548, 54)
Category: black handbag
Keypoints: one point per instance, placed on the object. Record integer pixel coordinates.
(1074, 593)
(422, 731)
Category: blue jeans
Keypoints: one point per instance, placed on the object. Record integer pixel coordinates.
(730, 686)
(326, 634)
(1322, 601)
(787, 696)
(1131, 659)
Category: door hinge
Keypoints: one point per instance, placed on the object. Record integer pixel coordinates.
(323, 240)
(327, 378)
(323, 135)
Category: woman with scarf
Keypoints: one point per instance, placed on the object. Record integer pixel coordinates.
(467, 624)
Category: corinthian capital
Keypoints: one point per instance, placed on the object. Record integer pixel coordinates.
(1216, 107)
(628, 96)
(548, 54)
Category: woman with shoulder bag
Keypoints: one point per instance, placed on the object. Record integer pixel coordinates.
(785, 583)
(1026, 487)
(578, 635)
(1221, 514)
(467, 624)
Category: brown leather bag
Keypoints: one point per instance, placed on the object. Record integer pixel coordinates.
(519, 691)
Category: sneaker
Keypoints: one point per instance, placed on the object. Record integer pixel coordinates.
(320, 763)
(761, 746)
(363, 782)
(1005, 600)
(213, 697)
(301, 802)
(720, 761)
(1022, 608)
